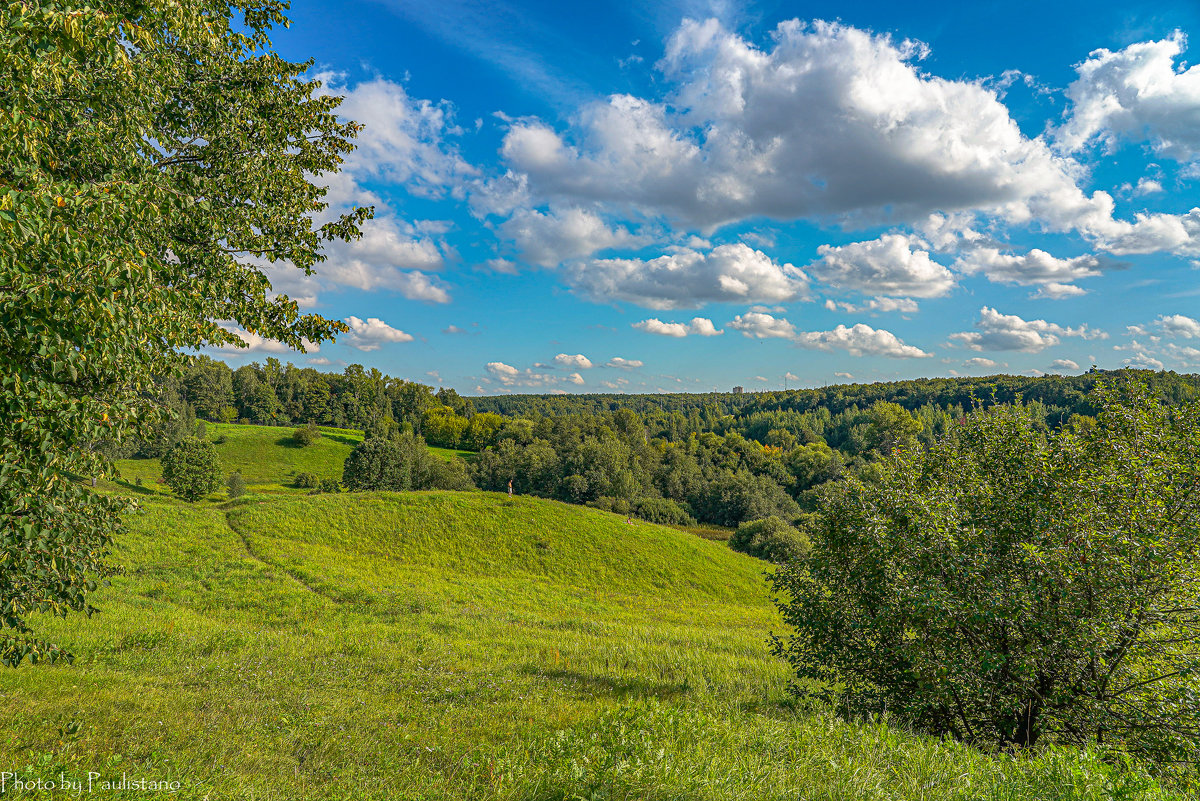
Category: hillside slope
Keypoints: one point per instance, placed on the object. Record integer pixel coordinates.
(267, 457)
(458, 646)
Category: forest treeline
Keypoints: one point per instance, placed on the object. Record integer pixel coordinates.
(720, 458)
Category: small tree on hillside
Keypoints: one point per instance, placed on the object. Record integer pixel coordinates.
(191, 470)
(771, 539)
(235, 486)
(1009, 586)
(306, 435)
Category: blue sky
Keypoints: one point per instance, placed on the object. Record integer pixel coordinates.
(692, 195)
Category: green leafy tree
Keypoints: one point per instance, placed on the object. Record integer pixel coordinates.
(771, 539)
(890, 427)
(235, 485)
(306, 435)
(1010, 586)
(191, 469)
(148, 153)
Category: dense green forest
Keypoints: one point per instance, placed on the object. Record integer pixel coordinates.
(719, 458)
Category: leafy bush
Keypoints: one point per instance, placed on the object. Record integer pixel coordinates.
(1010, 585)
(190, 469)
(734, 498)
(771, 539)
(330, 485)
(306, 435)
(664, 511)
(618, 506)
(306, 481)
(235, 487)
(401, 463)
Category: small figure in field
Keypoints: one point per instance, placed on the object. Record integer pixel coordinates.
(510, 488)
(628, 520)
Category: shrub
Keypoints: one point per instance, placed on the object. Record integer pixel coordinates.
(190, 469)
(306, 435)
(399, 464)
(330, 485)
(1011, 585)
(619, 506)
(771, 539)
(306, 481)
(220, 439)
(664, 511)
(235, 487)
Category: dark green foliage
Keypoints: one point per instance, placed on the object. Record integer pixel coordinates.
(329, 485)
(400, 463)
(734, 498)
(771, 539)
(191, 470)
(1013, 585)
(235, 487)
(664, 511)
(306, 481)
(306, 435)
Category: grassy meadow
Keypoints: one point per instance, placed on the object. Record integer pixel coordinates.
(443, 645)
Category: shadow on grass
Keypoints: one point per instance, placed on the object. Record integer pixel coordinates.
(618, 687)
(342, 438)
(138, 488)
(288, 442)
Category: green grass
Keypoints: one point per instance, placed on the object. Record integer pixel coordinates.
(459, 646)
(267, 457)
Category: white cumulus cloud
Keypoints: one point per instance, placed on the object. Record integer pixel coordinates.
(372, 333)
(689, 278)
(624, 364)
(577, 361)
(762, 326)
(860, 340)
(890, 265)
(699, 326)
(996, 331)
(1136, 94)
(547, 239)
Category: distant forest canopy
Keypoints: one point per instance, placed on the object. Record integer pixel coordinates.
(720, 458)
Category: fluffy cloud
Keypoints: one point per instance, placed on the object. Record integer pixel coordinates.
(762, 326)
(551, 238)
(623, 364)
(1177, 325)
(578, 361)
(404, 140)
(508, 376)
(700, 326)
(875, 306)
(860, 340)
(372, 333)
(979, 362)
(1136, 94)
(1067, 365)
(689, 278)
(998, 331)
(1055, 277)
(889, 265)
(828, 122)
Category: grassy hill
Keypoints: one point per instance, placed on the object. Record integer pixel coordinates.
(458, 646)
(267, 457)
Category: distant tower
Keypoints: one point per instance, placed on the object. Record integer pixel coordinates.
(738, 390)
